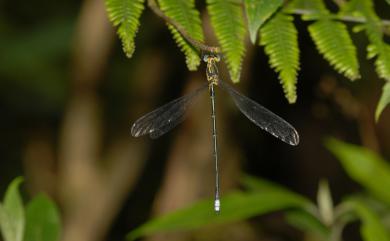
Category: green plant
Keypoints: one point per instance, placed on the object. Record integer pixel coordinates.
(324, 219)
(270, 24)
(38, 221)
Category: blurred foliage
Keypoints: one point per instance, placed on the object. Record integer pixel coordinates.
(12, 217)
(384, 101)
(364, 166)
(325, 220)
(32, 62)
(42, 220)
(263, 197)
(38, 221)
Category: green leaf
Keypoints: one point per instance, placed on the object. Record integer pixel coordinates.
(371, 229)
(388, 1)
(333, 41)
(384, 100)
(364, 166)
(307, 223)
(325, 203)
(257, 12)
(12, 219)
(234, 206)
(125, 15)
(280, 40)
(228, 24)
(185, 13)
(42, 220)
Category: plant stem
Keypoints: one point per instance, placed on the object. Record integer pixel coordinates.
(385, 22)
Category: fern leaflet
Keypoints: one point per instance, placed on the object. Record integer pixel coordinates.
(125, 15)
(333, 41)
(379, 49)
(184, 13)
(257, 12)
(228, 23)
(279, 37)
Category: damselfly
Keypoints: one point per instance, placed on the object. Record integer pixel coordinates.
(165, 118)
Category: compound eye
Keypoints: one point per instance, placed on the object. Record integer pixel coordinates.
(205, 57)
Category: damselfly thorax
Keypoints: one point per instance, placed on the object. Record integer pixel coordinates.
(211, 68)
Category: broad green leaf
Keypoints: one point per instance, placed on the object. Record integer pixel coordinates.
(12, 219)
(185, 13)
(257, 12)
(388, 1)
(280, 40)
(371, 228)
(364, 166)
(125, 15)
(333, 41)
(235, 206)
(42, 220)
(384, 100)
(307, 223)
(228, 23)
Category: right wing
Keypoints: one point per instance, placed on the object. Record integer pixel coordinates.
(263, 117)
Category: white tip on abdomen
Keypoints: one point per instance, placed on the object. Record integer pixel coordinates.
(217, 205)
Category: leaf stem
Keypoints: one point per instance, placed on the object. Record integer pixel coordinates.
(384, 22)
(196, 43)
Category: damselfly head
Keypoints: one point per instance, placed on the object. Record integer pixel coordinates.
(211, 57)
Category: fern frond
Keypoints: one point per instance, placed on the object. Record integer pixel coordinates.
(377, 47)
(228, 24)
(257, 12)
(333, 41)
(280, 40)
(184, 13)
(382, 62)
(125, 15)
